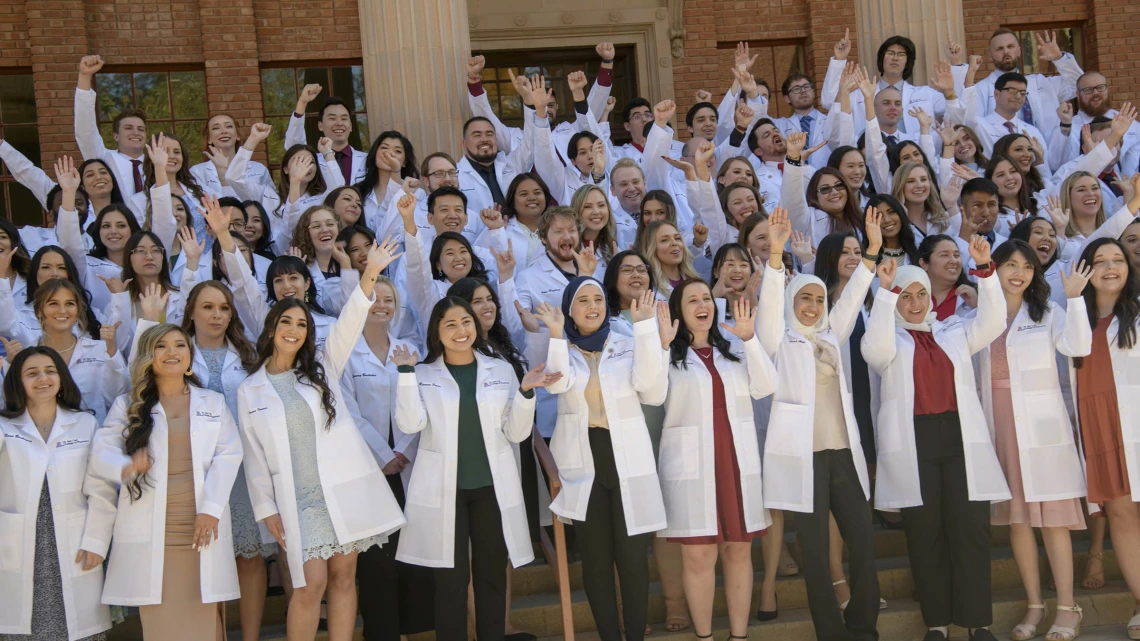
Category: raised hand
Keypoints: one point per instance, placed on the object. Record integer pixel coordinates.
(152, 302)
(552, 317)
(779, 229)
(115, 285)
(380, 255)
(324, 145)
(700, 234)
(475, 68)
(11, 348)
(409, 185)
(963, 172)
(801, 247)
(954, 52)
(663, 113)
(968, 294)
(847, 81)
(980, 251)
(683, 165)
(741, 59)
(220, 161)
(505, 261)
(643, 307)
(67, 176)
(299, 166)
(1125, 185)
(404, 355)
(872, 224)
(217, 219)
(538, 377)
(887, 270)
(385, 160)
(108, 333)
(308, 94)
(704, 96)
(752, 287)
(193, 250)
(577, 81)
(205, 532)
(796, 141)
(90, 65)
(666, 326)
(747, 82)
(942, 80)
(742, 116)
(492, 217)
(529, 320)
(522, 86)
(1087, 143)
(865, 84)
(156, 151)
(598, 151)
(587, 259)
(842, 49)
(406, 205)
(340, 255)
(540, 95)
(605, 50)
(1076, 280)
(1065, 113)
(1047, 47)
(743, 318)
(257, 134)
(1121, 123)
(925, 120)
(952, 192)
(611, 102)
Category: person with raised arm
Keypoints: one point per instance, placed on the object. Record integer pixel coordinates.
(128, 129)
(798, 90)
(222, 138)
(335, 123)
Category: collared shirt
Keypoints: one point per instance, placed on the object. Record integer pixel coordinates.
(344, 159)
(487, 173)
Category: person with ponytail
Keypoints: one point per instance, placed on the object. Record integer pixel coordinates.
(936, 459)
(312, 480)
(53, 531)
(173, 450)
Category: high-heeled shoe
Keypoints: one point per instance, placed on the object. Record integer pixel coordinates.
(769, 615)
(1058, 633)
(1027, 631)
(1134, 627)
(886, 523)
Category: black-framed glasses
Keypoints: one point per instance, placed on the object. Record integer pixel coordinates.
(1088, 91)
(827, 189)
(629, 270)
(798, 89)
(900, 55)
(444, 173)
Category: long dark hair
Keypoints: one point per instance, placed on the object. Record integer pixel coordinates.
(285, 265)
(1127, 307)
(372, 174)
(827, 263)
(835, 160)
(609, 280)
(1023, 229)
(309, 370)
(1025, 201)
(1036, 295)
(498, 336)
(182, 176)
(20, 260)
(93, 323)
(435, 345)
(316, 185)
(143, 394)
(98, 249)
(894, 151)
(216, 258)
(1033, 177)
(116, 193)
(478, 269)
(926, 250)
(16, 397)
(134, 287)
(852, 215)
(509, 201)
(235, 331)
(679, 348)
(264, 244)
(906, 234)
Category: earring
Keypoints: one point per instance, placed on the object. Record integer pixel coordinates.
(190, 372)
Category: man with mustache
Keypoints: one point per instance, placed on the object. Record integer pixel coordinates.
(1093, 101)
(128, 129)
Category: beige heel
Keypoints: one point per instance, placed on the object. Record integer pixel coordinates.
(1058, 633)
(1027, 631)
(1134, 627)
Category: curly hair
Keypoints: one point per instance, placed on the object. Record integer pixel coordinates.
(303, 238)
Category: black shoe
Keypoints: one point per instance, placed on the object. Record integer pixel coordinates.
(934, 635)
(982, 634)
(520, 636)
(888, 524)
(769, 615)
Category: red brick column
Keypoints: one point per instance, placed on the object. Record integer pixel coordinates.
(229, 49)
(57, 39)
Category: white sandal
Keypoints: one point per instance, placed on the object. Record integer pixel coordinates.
(1134, 627)
(1058, 633)
(843, 606)
(1027, 631)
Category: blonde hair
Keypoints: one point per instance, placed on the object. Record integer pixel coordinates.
(628, 163)
(648, 249)
(606, 235)
(934, 212)
(727, 164)
(1071, 228)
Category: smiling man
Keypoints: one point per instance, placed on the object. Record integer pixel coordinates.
(1093, 101)
(334, 121)
(128, 129)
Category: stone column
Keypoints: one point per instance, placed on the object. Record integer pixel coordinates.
(927, 22)
(415, 69)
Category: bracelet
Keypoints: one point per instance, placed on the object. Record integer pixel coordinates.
(795, 162)
(1066, 125)
(874, 258)
(610, 61)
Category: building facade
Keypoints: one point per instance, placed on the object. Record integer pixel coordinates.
(400, 63)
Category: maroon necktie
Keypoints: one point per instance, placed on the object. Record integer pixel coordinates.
(136, 170)
(1010, 127)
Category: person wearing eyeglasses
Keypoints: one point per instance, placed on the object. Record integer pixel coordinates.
(1010, 94)
(437, 170)
(799, 93)
(1093, 101)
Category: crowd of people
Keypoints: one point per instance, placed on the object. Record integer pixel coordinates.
(910, 305)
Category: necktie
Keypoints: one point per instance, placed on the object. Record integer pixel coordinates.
(136, 169)
(780, 166)
(892, 140)
(805, 125)
(344, 160)
(1027, 112)
(1010, 127)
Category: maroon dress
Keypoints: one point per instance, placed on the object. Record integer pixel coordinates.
(729, 501)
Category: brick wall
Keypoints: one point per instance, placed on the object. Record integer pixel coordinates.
(135, 32)
(307, 29)
(14, 49)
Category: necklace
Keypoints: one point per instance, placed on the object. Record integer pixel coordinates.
(893, 253)
(74, 342)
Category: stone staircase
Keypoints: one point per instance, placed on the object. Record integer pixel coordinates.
(536, 607)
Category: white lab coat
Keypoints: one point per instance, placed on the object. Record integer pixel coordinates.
(427, 403)
(472, 184)
(1050, 464)
(686, 458)
(134, 576)
(889, 350)
(24, 461)
(788, 448)
(359, 501)
(295, 135)
(631, 371)
(122, 308)
(91, 145)
(207, 176)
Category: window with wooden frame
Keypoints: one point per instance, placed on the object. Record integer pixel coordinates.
(19, 127)
(173, 97)
(775, 60)
(281, 83)
(1070, 38)
(555, 65)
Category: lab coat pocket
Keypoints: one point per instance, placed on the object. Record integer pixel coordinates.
(1046, 419)
(888, 431)
(637, 449)
(566, 442)
(789, 430)
(75, 524)
(426, 485)
(680, 453)
(205, 438)
(11, 541)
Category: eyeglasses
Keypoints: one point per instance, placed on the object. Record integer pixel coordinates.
(1016, 93)
(444, 173)
(237, 225)
(629, 270)
(898, 55)
(640, 115)
(147, 253)
(319, 226)
(798, 89)
(827, 189)
(1088, 91)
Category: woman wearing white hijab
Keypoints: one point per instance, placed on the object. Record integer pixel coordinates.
(936, 461)
(813, 459)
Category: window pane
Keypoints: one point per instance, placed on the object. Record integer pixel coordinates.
(361, 130)
(17, 100)
(26, 210)
(275, 143)
(348, 85)
(26, 140)
(190, 131)
(152, 96)
(105, 132)
(318, 75)
(114, 95)
(278, 92)
(4, 198)
(189, 89)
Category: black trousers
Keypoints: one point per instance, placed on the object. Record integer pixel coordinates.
(603, 542)
(838, 491)
(477, 519)
(948, 536)
(394, 598)
(529, 477)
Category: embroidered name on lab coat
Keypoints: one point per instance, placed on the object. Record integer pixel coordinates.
(1029, 327)
(619, 354)
(88, 359)
(18, 437)
(258, 409)
(427, 384)
(364, 375)
(212, 417)
(71, 441)
(494, 383)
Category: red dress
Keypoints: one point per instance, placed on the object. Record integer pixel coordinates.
(1099, 411)
(729, 500)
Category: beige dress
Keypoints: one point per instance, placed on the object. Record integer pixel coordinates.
(181, 615)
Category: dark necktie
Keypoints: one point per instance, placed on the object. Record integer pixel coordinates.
(805, 125)
(1027, 112)
(136, 170)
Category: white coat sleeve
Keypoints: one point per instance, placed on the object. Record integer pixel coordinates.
(162, 221)
(558, 360)
(102, 507)
(108, 456)
(657, 144)
(295, 132)
(770, 317)
(345, 331)
(237, 177)
(141, 325)
(116, 379)
(840, 127)
(762, 378)
(26, 173)
(481, 106)
(1071, 331)
(849, 307)
(223, 467)
(420, 288)
(829, 93)
(546, 161)
(650, 375)
(86, 129)
(1064, 85)
(381, 451)
(878, 345)
(71, 239)
(597, 98)
(518, 415)
(706, 209)
(877, 157)
(8, 323)
(411, 415)
(255, 463)
(507, 312)
(119, 310)
(988, 324)
(794, 199)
